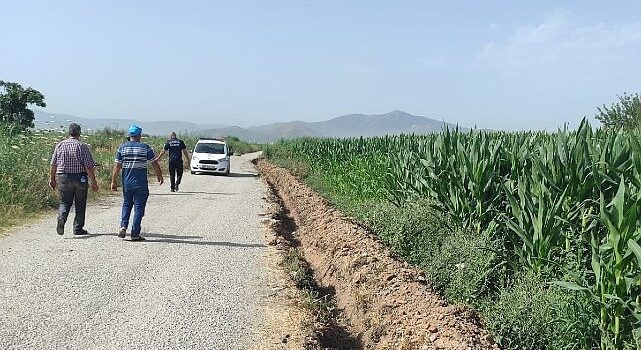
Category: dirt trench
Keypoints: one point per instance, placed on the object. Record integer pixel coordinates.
(382, 303)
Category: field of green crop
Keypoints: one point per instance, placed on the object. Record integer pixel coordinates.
(538, 231)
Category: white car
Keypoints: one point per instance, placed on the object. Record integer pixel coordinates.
(210, 156)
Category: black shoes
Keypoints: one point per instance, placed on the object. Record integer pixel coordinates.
(123, 231)
(60, 228)
(177, 187)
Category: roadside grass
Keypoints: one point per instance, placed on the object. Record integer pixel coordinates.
(17, 217)
(240, 147)
(522, 310)
(24, 164)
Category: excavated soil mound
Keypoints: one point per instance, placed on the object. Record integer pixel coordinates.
(384, 303)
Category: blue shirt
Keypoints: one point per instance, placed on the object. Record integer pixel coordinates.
(134, 156)
(175, 147)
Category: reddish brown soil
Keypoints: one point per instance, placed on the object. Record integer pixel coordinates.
(383, 303)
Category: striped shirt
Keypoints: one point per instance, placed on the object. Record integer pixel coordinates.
(134, 156)
(72, 157)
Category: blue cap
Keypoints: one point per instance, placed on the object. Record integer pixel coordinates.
(135, 130)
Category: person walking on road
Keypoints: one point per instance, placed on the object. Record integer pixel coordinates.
(133, 158)
(176, 148)
(72, 167)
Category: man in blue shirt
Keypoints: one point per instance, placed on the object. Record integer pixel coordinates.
(176, 148)
(133, 158)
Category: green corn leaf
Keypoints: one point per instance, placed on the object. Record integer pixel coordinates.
(636, 250)
(569, 285)
(619, 202)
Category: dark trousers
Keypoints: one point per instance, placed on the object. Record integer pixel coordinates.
(73, 189)
(175, 172)
(136, 199)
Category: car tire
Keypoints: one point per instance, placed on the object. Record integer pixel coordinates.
(193, 172)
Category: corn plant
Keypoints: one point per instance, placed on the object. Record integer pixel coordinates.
(616, 264)
(614, 281)
(562, 204)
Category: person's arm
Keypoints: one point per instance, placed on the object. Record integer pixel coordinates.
(116, 170)
(90, 167)
(162, 153)
(186, 154)
(53, 168)
(52, 176)
(157, 171)
(114, 176)
(154, 163)
(92, 177)
(183, 147)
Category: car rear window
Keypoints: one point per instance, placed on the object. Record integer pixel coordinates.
(214, 148)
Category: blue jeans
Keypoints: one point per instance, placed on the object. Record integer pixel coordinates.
(135, 198)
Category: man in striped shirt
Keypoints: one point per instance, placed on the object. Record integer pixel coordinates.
(133, 158)
(71, 169)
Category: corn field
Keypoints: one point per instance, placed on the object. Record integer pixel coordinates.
(563, 205)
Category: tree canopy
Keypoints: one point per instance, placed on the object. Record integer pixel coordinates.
(624, 114)
(14, 104)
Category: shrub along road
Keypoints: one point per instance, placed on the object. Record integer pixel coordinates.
(198, 282)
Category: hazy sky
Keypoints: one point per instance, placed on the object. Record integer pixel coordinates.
(495, 64)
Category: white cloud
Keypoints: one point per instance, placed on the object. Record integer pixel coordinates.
(557, 45)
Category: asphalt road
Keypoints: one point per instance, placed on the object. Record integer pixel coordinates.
(196, 283)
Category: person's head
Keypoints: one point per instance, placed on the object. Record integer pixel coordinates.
(135, 132)
(74, 130)
(172, 135)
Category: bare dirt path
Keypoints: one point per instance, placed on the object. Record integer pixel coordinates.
(198, 282)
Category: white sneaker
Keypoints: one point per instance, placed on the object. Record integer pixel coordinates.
(122, 232)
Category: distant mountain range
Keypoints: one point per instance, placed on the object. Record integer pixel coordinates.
(55, 121)
(351, 125)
